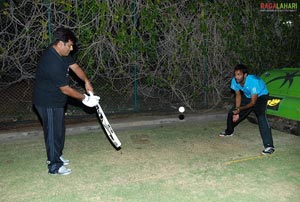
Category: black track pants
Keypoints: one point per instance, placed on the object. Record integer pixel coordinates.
(54, 135)
(260, 111)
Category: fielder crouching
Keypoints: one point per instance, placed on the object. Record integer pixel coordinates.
(251, 94)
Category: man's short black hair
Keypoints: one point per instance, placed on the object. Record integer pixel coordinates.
(64, 35)
(242, 68)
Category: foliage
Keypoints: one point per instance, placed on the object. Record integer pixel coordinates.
(183, 51)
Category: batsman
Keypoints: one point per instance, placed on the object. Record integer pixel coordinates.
(50, 95)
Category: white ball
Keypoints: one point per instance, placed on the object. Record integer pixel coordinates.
(181, 109)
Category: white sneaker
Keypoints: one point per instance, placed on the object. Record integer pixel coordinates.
(65, 161)
(64, 171)
(224, 134)
(268, 150)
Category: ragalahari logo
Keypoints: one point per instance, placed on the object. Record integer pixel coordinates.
(278, 7)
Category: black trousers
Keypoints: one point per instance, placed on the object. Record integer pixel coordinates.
(54, 135)
(260, 111)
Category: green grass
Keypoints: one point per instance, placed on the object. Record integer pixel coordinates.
(180, 162)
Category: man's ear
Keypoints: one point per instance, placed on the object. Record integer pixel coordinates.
(60, 44)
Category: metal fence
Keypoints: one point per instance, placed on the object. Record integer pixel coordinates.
(16, 105)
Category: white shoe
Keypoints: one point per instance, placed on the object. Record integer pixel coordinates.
(65, 161)
(268, 151)
(224, 134)
(64, 171)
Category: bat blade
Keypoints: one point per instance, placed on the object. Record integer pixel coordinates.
(108, 130)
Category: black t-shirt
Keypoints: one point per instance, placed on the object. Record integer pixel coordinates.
(52, 73)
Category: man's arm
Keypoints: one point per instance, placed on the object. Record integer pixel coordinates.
(79, 72)
(247, 106)
(90, 101)
(67, 90)
(238, 99)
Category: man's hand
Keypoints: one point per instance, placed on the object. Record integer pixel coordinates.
(88, 86)
(235, 117)
(236, 111)
(90, 100)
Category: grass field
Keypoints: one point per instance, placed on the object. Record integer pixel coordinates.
(183, 162)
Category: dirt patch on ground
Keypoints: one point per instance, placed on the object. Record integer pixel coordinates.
(140, 139)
